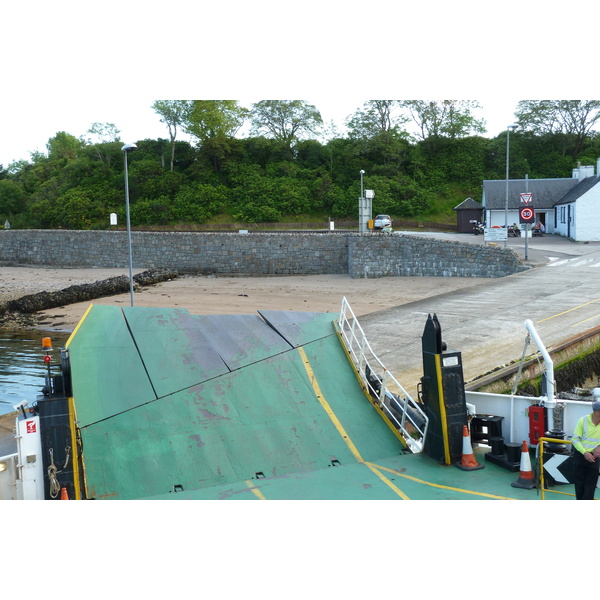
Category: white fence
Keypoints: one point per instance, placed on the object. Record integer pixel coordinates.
(403, 412)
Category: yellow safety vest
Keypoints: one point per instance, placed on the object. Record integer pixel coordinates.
(586, 435)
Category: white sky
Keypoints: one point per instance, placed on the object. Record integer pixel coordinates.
(66, 66)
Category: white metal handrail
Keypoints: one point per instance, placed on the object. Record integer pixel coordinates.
(404, 413)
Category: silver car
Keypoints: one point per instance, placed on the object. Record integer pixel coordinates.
(382, 221)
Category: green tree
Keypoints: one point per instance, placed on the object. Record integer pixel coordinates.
(444, 118)
(75, 209)
(103, 133)
(574, 119)
(376, 118)
(378, 129)
(63, 146)
(285, 120)
(398, 196)
(174, 114)
(147, 179)
(12, 198)
(199, 202)
(104, 139)
(214, 123)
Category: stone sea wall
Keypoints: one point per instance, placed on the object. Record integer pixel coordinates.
(259, 254)
(412, 256)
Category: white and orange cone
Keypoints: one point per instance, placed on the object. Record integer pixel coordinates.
(468, 462)
(526, 479)
(63, 494)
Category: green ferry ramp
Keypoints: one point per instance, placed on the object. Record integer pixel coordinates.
(257, 407)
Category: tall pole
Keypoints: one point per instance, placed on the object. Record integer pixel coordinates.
(506, 200)
(128, 229)
(526, 225)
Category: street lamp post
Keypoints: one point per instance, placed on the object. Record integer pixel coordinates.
(508, 130)
(126, 150)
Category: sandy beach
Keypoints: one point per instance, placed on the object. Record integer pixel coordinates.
(228, 295)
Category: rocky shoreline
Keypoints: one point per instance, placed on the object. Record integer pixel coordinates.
(22, 311)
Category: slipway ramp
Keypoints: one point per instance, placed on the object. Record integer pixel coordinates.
(266, 406)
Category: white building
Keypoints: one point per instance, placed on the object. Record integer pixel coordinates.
(569, 207)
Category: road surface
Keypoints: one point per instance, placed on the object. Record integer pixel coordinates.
(560, 293)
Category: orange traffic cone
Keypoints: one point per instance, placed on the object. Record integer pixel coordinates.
(526, 479)
(468, 462)
(63, 494)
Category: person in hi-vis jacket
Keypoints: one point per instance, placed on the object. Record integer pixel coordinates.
(586, 453)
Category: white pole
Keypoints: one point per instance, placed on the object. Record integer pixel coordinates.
(128, 229)
(506, 199)
(550, 400)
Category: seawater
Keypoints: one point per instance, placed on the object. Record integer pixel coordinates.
(22, 366)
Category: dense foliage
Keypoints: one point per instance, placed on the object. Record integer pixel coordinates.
(285, 171)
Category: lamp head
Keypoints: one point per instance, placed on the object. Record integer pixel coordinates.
(513, 127)
(129, 148)
(361, 172)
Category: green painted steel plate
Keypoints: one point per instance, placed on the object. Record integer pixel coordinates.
(108, 374)
(290, 421)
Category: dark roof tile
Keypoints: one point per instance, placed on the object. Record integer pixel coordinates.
(467, 204)
(587, 184)
(545, 192)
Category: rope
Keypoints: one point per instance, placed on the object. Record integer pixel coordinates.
(518, 377)
(53, 471)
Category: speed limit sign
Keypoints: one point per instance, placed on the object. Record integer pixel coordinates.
(526, 214)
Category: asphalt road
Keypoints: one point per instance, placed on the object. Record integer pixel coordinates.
(560, 293)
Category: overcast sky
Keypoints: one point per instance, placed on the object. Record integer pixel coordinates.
(67, 65)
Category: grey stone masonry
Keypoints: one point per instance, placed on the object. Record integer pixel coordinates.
(259, 254)
(412, 256)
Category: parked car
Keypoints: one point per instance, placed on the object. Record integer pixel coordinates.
(382, 221)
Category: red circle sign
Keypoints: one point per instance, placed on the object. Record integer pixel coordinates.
(526, 215)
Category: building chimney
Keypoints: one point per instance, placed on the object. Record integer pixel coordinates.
(583, 172)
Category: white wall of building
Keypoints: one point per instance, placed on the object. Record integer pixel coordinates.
(565, 216)
(587, 217)
(497, 217)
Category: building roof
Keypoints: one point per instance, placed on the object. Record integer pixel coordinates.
(469, 204)
(546, 192)
(585, 186)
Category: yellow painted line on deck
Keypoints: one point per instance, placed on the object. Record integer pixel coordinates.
(340, 428)
(327, 408)
(85, 314)
(443, 487)
(255, 490)
(387, 481)
(568, 311)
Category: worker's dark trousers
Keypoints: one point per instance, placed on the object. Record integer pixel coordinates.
(585, 475)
